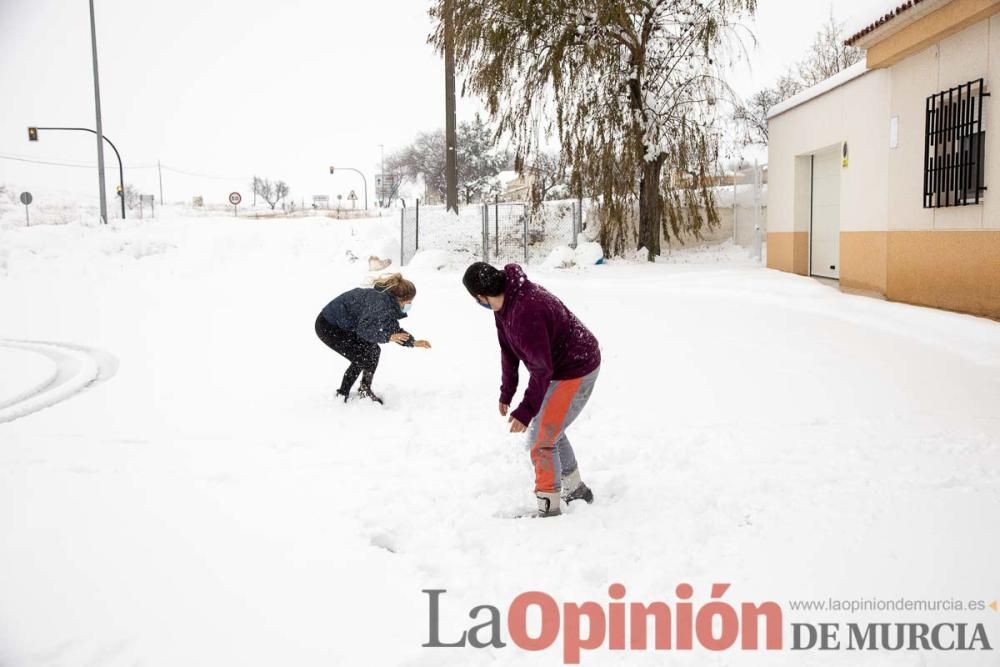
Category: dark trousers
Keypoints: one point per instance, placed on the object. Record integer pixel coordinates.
(362, 354)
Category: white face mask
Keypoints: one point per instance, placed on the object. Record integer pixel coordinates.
(406, 307)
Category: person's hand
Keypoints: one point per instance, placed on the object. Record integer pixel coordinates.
(504, 407)
(516, 426)
(400, 337)
(426, 344)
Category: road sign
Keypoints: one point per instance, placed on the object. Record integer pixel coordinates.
(32, 134)
(26, 199)
(235, 198)
(352, 196)
(147, 201)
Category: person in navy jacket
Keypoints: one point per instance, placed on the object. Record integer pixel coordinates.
(358, 321)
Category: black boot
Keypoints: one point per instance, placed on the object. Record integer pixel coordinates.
(365, 388)
(575, 489)
(581, 492)
(365, 391)
(350, 377)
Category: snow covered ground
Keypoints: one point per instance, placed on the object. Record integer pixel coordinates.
(211, 504)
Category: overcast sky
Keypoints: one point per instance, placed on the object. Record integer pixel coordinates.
(230, 88)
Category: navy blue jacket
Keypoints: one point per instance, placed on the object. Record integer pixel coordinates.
(371, 314)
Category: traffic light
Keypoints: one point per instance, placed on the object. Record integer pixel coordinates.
(118, 190)
(32, 134)
(332, 170)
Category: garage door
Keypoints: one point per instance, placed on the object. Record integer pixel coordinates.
(824, 237)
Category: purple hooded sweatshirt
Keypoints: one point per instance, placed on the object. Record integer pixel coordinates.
(537, 328)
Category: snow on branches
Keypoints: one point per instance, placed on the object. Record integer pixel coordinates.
(629, 87)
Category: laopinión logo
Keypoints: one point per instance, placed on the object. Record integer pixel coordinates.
(717, 625)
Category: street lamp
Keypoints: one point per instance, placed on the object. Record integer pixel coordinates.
(363, 180)
(33, 136)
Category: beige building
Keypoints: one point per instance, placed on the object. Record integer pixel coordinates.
(887, 176)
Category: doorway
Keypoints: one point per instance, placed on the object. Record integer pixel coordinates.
(824, 218)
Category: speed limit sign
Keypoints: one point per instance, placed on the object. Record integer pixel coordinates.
(235, 198)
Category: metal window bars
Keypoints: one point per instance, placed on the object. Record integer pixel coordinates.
(955, 146)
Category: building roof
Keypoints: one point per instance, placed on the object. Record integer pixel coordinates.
(843, 77)
(882, 20)
(894, 20)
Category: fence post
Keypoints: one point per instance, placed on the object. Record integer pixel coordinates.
(524, 215)
(496, 222)
(758, 186)
(402, 235)
(417, 233)
(735, 169)
(486, 241)
(576, 230)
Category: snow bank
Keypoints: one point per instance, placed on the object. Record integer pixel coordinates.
(433, 259)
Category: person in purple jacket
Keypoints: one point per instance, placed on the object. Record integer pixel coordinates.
(563, 359)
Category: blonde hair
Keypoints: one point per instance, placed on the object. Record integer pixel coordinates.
(396, 285)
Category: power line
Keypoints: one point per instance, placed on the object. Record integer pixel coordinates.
(90, 165)
(82, 165)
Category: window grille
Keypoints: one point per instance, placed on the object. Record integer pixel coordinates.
(955, 147)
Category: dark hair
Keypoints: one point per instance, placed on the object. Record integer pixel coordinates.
(483, 279)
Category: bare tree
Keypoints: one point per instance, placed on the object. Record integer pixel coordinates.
(478, 160)
(131, 196)
(827, 56)
(270, 191)
(752, 116)
(547, 174)
(281, 191)
(424, 157)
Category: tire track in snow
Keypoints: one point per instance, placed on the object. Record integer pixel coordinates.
(77, 369)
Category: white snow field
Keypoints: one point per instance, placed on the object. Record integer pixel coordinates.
(26, 373)
(213, 505)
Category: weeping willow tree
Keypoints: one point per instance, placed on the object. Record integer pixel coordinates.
(629, 88)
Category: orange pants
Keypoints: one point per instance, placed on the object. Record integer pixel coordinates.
(551, 452)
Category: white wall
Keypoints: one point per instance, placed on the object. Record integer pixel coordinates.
(882, 189)
(858, 113)
(963, 57)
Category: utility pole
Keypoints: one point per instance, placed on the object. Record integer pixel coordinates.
(451, 140)
(159, 169)
(100, 126)
(381, 178)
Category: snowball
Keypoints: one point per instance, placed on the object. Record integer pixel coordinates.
(430, 259)
(588, 253)
(561, 257)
